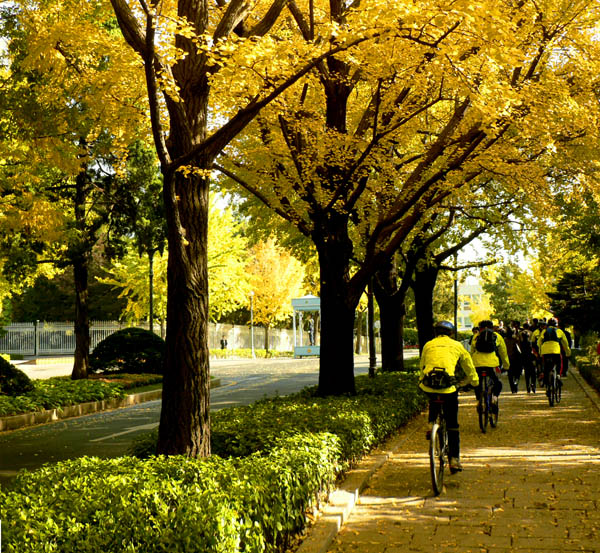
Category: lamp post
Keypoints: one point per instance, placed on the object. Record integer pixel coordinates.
(252, 323)
(455, 298)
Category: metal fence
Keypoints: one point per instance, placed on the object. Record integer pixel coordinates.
(43, 338)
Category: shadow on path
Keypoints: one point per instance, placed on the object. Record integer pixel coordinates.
(530, 485)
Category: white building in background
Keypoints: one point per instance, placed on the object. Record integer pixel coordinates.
(469, 295)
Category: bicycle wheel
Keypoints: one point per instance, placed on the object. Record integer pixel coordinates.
(437, 450)
(558, 391)
(483, 405)
(551, 389)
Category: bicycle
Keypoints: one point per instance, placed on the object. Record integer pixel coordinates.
(485, 409)
(553, 387)
(438, 446)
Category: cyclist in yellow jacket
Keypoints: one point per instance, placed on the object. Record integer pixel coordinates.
(439, 360)
(550, 342)
(488, 352)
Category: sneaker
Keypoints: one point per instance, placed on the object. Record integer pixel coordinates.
(455, 465)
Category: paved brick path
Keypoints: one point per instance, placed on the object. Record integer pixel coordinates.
(530, 485)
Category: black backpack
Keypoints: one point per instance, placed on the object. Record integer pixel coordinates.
(525, 341)
(486, 341)
(550, 335)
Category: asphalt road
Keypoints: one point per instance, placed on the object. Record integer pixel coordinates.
(111, 433)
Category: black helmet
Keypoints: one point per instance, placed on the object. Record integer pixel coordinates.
(443, 327)
(552, 322)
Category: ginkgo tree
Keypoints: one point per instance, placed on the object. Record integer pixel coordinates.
(276, 277)
(210, 68)
(359, 152)
(73, 106)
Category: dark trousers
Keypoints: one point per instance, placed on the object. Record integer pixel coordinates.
(530, 371)
(450, 403)
(514, 373)
(552, 360)
(496, 384)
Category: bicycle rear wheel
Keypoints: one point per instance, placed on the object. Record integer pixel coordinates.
(551, 391)
(437, 450)
(483, 405)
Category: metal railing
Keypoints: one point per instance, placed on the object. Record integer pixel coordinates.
(47, 338)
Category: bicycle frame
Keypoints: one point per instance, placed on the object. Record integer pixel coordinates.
(484, 405)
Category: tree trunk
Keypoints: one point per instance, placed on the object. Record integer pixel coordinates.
(392, 310)
(184, 420)
(423, 287)
(80, 252)
(338, 304)
(150, 290)
(267, 340)
(82, 320)
(359, 324)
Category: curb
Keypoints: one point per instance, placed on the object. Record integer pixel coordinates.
(589, 391)
(342, 501)
(15, 422)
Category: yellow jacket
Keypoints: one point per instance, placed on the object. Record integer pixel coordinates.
(552, 346)
(491, 359)
(446, 353)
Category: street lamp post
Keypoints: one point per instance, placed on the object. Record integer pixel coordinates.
(252, 323)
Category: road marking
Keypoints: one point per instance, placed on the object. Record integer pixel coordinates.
(129, 430)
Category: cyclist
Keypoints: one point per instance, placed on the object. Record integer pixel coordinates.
(439, 361)
(540, 326)
(488, 352)
(550, 342)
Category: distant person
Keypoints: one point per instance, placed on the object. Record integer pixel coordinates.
(223, 342)
(475, 331)
(513, 350)
(311, 331)
(565, 359)
(527, 358)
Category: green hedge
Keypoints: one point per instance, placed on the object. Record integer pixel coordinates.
(380, 406)
(588, 369)
(173, 504)
(59, 392)
(283, 454)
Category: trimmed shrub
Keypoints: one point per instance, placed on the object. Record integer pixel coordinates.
(411, 337)
(13, 382)
(130, 350)
(283, 456)
(381, 405)
(174, 504)
(56, 392)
